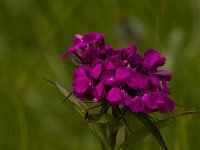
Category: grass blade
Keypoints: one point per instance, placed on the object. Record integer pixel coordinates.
(153, 128)
(142, 132)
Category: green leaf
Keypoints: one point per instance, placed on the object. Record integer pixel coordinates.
(188, 107)
(142, 132)
(79, 106)
(153, 128)
(97, 129)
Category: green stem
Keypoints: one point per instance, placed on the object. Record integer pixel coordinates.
(115, 128)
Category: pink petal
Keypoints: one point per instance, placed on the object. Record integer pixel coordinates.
(164, 74)
(79, 72)
(136, 105)
(112, 62)
(126, 99)
(149, 101)
(122, 74)
(95, 71)
(80, 81)
(133, 49)
(137, 81)
(153, 59)
(92, 37)
(108, 78)
(108, 48)
(81, 84)
(114, 96)
(78, 39)
(165, 89)
(154, 81)
(99, 92)
(70, 50)
(168, 106)
(90, 54)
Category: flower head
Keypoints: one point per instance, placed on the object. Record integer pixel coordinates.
(122, 77)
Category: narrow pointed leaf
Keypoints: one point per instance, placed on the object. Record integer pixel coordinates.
(142, 132)
(153, 128)
(97, 129)
(188, 107)
(81, 106)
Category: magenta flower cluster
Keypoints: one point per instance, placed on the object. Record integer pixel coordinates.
(120, 76)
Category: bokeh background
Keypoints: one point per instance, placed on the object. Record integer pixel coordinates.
(33, 33)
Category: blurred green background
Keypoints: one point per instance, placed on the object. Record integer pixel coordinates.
(33, 33)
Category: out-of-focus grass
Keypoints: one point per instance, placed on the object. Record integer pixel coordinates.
(34, 33)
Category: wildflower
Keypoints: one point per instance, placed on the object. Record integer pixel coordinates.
(122, 77)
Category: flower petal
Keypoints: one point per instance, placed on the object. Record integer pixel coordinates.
(80, 81)
(153, 59)
(108, 78)
(77, 42)
(154, 81)
(137, 81)
(79, 72)
(78, 39)
(149, 101)
(92, 37)
(133, 49)
(165, 89)
(170, 104)
(164, 74)
(122, 74)
(167, 106)
(70, 50)
(114, 96)
(90, 54)
(95, 71)
(136, 105)
(107, 49)
(111, 62)
(81, 84)
(126, 99)
(99, 92)
(157, 95)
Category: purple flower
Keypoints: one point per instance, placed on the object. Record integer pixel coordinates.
(165, 89)
(164, 74)
(96, 70)
(108, 78)
(86, 47)
(150, 102)
(153, 59)
(167, 106)
(92, 38)
(122, 77)
(136, 104)
(125, 98)
(99, 92)
(89, 54)
(80, 80)
(112, 62)
(154, 81)
(122, 74)
(114, 96)
(107, 49)
(137, 81)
